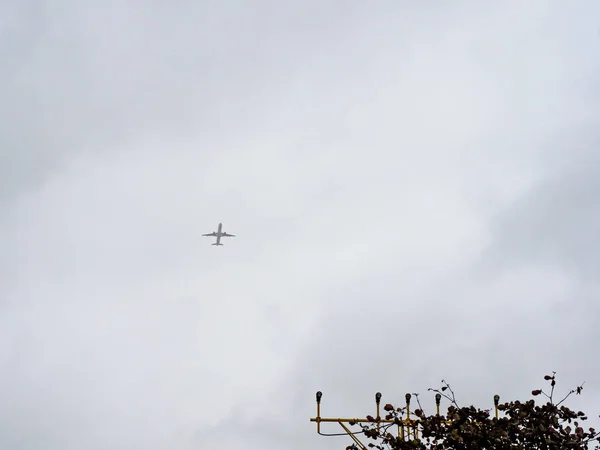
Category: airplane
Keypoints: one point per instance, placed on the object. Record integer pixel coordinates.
(218, 234)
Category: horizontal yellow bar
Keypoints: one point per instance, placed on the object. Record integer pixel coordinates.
(346, 420)
(328, 419)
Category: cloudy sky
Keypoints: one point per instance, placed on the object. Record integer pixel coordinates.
(413, 189)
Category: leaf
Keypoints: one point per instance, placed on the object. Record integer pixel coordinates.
(523, 424)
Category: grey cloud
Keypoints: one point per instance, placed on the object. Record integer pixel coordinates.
(85, 77)
(483, 337)
(362, 156)
(554, 223)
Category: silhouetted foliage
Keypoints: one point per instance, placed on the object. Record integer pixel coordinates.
(520, 426)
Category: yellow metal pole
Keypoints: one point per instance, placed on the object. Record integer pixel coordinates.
(347, 420)
(496, 401)
(318, 419)
(410, 430)
(378, 416)
(351, 434)
(406, 426)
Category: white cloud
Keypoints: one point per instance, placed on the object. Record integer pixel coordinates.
(367, 160)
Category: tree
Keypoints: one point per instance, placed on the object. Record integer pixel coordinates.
(522, 426)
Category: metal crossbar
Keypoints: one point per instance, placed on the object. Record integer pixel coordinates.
(406, 426)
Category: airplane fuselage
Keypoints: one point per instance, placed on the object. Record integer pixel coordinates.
(219, 234)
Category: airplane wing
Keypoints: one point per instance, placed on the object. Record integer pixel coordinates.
(227, 235)
(210, 234)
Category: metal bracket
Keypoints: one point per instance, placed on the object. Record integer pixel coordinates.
(407, 428)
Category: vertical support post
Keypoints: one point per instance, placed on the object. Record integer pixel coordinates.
(407, 397)
(496, 401)
(319, 395)
(378, 416)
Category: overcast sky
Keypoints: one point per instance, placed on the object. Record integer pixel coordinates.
(413, 189)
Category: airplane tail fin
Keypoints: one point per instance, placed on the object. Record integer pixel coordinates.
(216, 244)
